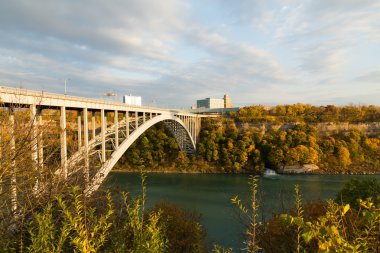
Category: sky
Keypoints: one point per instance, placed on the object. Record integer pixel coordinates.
(174, 52)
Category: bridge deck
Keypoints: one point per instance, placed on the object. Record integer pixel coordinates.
(17, 96)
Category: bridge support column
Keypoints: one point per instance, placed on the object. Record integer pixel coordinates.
(40, 144)
(194, 121)
(102, 122)
(13, 186)
(86, 171)
(191, 120)
(195, 130)
(150, 115)
(79, 123)
(136, 120)
(116, 123)
(198, 127)
(93, 127)
(127, 123)
(37, 141)
(33, 136)
(63, 142)
(191, 126)
(34, 140)
(144, 117)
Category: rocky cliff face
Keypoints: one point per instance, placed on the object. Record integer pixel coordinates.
(368, 128)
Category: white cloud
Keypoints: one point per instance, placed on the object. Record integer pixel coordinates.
(371, 77)
(158, 50)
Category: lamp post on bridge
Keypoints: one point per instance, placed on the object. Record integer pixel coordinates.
(67, 79)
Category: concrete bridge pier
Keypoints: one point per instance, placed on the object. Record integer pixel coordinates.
(93, 123)
(33, 135)
(79, 125)
(36, 141)
(116, 124)
(127, 124)
(136, 120)
(63, 142)
(86, 169)
(103, 135)
(13, 186)
(40, 144)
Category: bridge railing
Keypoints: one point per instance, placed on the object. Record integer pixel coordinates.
(26, 92)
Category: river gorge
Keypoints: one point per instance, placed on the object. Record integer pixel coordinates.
(210, 195)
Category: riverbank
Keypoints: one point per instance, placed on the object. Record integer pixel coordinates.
(319, 172)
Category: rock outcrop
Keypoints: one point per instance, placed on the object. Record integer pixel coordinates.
(298, 169)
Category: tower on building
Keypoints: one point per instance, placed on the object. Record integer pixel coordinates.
(227, 101)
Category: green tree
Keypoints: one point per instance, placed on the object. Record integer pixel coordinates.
(344, 156)
(182, 161)
(359, 189)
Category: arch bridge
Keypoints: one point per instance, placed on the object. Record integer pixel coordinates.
(103, 140)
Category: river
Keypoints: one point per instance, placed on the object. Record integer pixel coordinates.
(210, 195)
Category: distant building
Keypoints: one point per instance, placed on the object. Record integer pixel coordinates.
(132, 100)
(211, 103)
(227, 101)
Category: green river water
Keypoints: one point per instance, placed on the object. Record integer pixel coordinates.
(210, 195)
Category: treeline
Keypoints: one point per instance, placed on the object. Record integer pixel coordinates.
(250, 150)
(307, 113)
(223, 147)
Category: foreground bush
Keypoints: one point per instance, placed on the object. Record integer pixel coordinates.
(339, 229)
(359, 189)
(184, 231)
(74, 224)
(77, 228)
(315, 227)
(133, 231)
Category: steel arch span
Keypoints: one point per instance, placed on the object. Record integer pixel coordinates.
(176, 126)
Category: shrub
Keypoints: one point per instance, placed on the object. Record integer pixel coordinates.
(359, 189)
(184, 231)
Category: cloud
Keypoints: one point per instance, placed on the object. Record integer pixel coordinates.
(88, 40)
(236, 68)
(131, 50)
(142, 28)
(257, 51)
(324, 34)
(371, 77)
(320, 33)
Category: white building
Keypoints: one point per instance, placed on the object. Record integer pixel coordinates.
(210, 103)
(132, 100)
